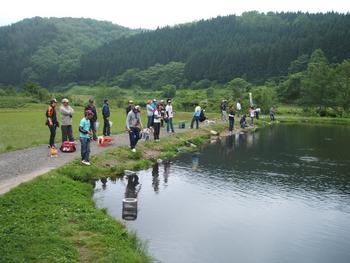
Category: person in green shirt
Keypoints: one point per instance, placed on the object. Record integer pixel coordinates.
(85, 136)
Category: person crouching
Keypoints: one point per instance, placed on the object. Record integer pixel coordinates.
(85, 136)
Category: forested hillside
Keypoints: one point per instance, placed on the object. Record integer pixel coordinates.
(253, 46)
(48, 50)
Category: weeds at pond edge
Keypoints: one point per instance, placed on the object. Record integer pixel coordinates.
(53, 217)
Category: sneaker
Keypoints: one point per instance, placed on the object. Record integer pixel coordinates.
(86, 163)
(133, 150)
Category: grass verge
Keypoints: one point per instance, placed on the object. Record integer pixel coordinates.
(53, 217)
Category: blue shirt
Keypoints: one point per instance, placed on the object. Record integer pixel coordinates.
(85, 125)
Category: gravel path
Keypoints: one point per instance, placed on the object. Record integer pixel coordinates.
(23, 165)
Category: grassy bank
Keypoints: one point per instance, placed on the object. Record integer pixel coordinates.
(53, 217)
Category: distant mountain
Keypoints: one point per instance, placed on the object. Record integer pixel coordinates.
(48, 50)
(255, 46)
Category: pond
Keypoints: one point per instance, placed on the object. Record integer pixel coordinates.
(281, 194)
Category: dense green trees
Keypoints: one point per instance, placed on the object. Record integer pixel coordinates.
(252, 46)
(48, 50)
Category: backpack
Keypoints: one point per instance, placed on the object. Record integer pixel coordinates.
(68, 147)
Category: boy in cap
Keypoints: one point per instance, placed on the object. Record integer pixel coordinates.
(85, 136)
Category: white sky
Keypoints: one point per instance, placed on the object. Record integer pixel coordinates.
(153, 13)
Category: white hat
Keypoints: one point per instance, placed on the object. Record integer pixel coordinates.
(65, 100)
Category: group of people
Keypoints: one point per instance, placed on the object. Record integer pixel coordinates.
(253, 112)
(87, 126)
(158, 113)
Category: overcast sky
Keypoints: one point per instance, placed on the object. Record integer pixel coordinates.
(153, 13)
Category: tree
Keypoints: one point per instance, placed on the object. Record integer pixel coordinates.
(318, 87)
(264, 97)
(238, 87)
(169, 91)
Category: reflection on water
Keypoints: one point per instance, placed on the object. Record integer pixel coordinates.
(281, 194)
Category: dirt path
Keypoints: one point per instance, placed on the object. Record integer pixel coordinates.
(23, 165)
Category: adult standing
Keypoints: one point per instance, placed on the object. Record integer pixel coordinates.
(150, 113)
(106, 114)
(196, 115)
(85, 136)
(223, 108)
(52, 122)
(162, 112)
(170, 115)
(91, 106)
(156, 122)
(134, 125)
(238, 107)
(66, 121)
(272, 113)
(231, 119)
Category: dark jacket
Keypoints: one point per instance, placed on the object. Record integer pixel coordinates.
(93, 109)
(105, 111)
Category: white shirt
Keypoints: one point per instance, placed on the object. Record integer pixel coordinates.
(157, 116)
(238, 106)
(169, 110)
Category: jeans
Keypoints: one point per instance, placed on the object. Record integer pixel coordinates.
(272, 116)
(106, 127)
(134, 136)
(67, 133)
(195, 119)
(150, 121)
(231, 123)
(156, 127)
(93, 128)
(85, 149)
(169, 125)
(52, 135)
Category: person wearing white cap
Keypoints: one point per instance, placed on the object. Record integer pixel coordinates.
(66, 121)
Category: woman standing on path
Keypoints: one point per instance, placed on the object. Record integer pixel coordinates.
(66, 121)
(150, 113)
(156, 122)
(52, 122)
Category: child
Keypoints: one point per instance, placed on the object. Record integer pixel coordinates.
(85, 136)
(243, 122)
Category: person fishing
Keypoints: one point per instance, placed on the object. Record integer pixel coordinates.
(272, 113)
(223, 109)
(243, 122)
(231, 119)
(134, 126)
(51, 122)
(196, 115)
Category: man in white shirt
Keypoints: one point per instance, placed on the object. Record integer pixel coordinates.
(170, 115)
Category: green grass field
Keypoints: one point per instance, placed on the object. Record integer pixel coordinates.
(25, 127)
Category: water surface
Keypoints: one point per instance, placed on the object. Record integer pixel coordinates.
(281, 194)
